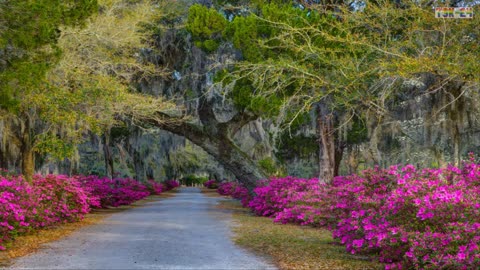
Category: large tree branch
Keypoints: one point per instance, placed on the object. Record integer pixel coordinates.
(216, 143)
(238, 121)
(206, 112)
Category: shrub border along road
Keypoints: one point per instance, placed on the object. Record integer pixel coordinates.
(289, 246)
(26, 244)
(405, 217)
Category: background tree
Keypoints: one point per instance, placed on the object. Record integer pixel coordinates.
(104, 60)
(28, 42)
(28, 37)
(79, 81)
(208, 128)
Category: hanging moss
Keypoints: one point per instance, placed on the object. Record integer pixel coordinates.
(294, 143)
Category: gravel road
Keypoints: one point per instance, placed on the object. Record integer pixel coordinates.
(186, 231)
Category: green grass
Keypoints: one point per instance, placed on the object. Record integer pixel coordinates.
(292, 246)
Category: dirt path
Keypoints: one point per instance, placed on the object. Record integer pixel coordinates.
(186, 231)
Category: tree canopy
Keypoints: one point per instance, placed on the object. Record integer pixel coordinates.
(70, 71)
(348, 62)
(74, 69)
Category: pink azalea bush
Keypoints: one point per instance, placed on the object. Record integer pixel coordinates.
(407, 218)
(154, 187)
(17, 208)
(61, 198)
(241, 193)
(411, 218)
(278, 195)
(114, 192)
(47, 201)
(211, 184)
(55, 199)
(171, 184)
(226, 188)
(235, 190)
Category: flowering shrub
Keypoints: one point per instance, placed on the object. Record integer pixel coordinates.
(226, 188)
(114, 192)
(57, 199)
(241, 193)
(17, 207)
(422, 219)
(211, 184)
(272, 199)
(409, 218)
(154, 187)
(61, 199)
(236, 191)
(48, 201)
(171, 184)
(127, 191)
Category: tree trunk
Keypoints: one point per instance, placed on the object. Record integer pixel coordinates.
(3, 146)
(352, 159)
(214, 138)
(139, 165)
(237, 162)
(339, 149)
(3, 159)
(224, 150)
(330, 149)
(28, 163)
(109, 169)
(456, 145)
(27, 153)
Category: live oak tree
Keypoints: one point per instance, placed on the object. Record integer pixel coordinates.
(346, 63)
(103, 59)
(269, 82)
(67, 72)
(29, 31)
(204, 128)
(74, 77)
(295, 61)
